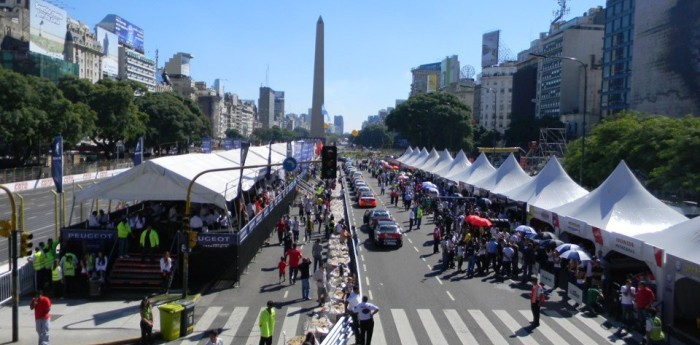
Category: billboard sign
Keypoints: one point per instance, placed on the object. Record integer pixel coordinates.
(47, 29)
(129, 34)
(432, 83)
(489, 48)
(110, 49)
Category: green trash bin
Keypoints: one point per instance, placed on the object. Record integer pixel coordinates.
(187, 318)
(170, 315)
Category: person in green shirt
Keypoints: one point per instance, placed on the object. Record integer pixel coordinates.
(654, 328)
(123, 233)
(149, 243)
(593, 299)
(146, 311)
(267, 324)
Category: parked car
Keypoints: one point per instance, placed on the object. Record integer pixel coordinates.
(367, 201)
(388, 233)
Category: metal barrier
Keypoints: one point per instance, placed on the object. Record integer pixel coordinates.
(39, 172)
(341, 331)
(26, 282)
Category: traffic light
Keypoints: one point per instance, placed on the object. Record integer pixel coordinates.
(191, 239)
(329, 162)
(25, 244)
(5, 228)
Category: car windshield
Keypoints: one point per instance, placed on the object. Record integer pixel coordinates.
(388, 228)
(381, 214)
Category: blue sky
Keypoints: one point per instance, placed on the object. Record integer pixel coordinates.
(371, 46)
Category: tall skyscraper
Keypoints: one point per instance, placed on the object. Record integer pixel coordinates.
(617, 56)
(338, 123)
(266, 107)
(317, 101)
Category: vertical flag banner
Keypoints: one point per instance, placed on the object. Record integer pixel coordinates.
(228, 143)
(57, 163)
(237, 143)
(269, 161)
(244, 154)
(138, 152)
(206, 145)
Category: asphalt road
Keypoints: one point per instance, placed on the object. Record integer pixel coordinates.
(39, 213)
(422, 304)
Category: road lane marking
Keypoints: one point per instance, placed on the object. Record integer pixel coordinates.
(409, 240)
(438, 279)
(370, 294)
(48, 213)
(488, 328)
(362, 257)
(517, 330)
(423, 260)
(449, 294)
(286, 293)
(417, 251)
(289, 325)
(378, 337)
(461, 329)
(234, 323)
(595, 327)
(547, 331)
(32, 217)
(431, 326)
(207, 318)
(364, 267)
(403, 327)
(570, 327)
(367, 280)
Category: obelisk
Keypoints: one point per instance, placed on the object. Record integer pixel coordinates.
(317, 129)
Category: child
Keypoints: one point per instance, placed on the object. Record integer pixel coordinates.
(282, 265)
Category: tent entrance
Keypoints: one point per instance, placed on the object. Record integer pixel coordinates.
(686, 309)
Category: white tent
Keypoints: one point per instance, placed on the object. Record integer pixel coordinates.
(620, 210)
(428, 161)
(681, 240)
(551, 188)
(481, 168)
(167, 178)
(405, 155)
(443, 161)
(412, 156)
(458, 165)
(508, 176)
(418, 159)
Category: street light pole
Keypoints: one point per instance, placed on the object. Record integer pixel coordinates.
(585, 104)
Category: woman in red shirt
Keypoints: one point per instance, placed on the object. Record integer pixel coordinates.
(41, 306)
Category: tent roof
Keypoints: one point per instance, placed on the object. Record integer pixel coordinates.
(414, 154)
(508, 176)
(419, 158)
(167, 178)
(429, 161)
(552, 187)
(443, 161)
(405, 155)
(622, 205)
(459, 164)
(480, 169)
(681, 240)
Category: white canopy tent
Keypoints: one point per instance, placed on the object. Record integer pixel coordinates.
(508, 176)
(481, 168)
(418, 158)
(681, 240)
(551, 188)
(167, 178)
(410, 157)
(405, 155)
(616, 213)
(458, 165)
(428, 161)
(443, 161)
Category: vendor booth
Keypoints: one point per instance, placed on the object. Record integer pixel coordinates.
(480, 169)
(508, 176)
(458, 165)
(444, 160)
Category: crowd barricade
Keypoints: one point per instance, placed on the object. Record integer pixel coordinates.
(25, 276)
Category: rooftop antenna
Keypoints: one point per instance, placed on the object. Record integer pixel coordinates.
(561, 12)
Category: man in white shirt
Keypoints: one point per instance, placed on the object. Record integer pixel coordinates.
(93, 222)
(166, 270)
(365, 312)
(196, 223)
(628, 292)
(350, 303)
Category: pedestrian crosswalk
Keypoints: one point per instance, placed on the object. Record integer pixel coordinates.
(419, 326)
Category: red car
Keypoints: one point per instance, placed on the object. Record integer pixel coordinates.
(388, 233)
(367, 201)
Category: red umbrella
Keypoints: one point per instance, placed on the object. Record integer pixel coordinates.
(478, 221)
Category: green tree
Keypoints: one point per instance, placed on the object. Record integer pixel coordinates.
(374, 136)
(235, 134)
(485, 138)
(435, 119)
(170, 120)
(118, 116)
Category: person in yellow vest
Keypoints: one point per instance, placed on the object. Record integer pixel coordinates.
(49, 257)
(38, 264)
(654, 328)
(123, 233)
(267, 324)
(57, 279)
(69, 264)
(149, 243)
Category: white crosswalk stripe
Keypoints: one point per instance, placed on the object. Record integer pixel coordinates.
(413, 327)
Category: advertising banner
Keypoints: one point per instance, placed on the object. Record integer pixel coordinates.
(88, 235)
(432, 82)
(138, 152)
(237, 143)
(206, 145)
(110, 49)
(244, 154)
(129, 34)
(573, 226)
(269, 161)
(547, 278)
(47, 29)
(228, 143)
(57, 163)
(489, 48)
(624, 244)
(575, 293)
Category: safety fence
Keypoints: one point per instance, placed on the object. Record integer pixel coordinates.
(26, 282)
(38, 172)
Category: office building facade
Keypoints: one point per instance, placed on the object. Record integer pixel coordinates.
(617, 56)
(339, 124)
(83, 48)
(266, 107)
(496, 96)
(425, 78)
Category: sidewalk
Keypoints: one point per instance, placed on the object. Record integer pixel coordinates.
(83, 321)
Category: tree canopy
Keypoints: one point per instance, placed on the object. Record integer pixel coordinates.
(277, 134)
(375, 136)
(435, 119)
(662, 152)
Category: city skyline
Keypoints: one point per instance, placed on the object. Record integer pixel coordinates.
(365, 71)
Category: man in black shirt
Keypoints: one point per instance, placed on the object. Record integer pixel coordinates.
(304, 268)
